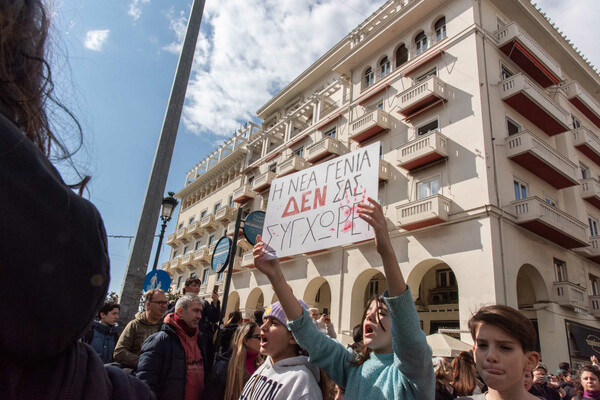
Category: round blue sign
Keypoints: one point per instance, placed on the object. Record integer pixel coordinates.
(157, 279)
(220, 256)
(253, 225)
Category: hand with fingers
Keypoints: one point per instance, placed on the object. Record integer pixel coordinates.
(265, 260)
(373, 214)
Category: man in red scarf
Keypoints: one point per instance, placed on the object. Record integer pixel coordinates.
(171, 362)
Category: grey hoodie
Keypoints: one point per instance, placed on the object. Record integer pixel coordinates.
(291, 378)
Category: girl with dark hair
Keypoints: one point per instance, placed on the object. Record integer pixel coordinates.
(443, 375)
(503, 351)
(396, 361)
(589, 377)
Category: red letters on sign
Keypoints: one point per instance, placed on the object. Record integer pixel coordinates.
(319, 201)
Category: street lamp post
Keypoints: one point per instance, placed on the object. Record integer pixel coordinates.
(166, 213)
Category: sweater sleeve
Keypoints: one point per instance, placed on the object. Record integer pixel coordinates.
(412, 354)
(122, 353)
(323, 351)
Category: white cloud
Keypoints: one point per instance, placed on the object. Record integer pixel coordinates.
(135, 8)
(95, 39)
(249, 49)
(575, 20)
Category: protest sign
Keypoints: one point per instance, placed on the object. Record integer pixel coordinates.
(316, 208)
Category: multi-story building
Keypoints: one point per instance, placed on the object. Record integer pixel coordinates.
(488, 121)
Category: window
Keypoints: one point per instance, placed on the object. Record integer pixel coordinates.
(585, 171)
(369, 77)
(175, 253)
(428, 127)
(551, 201)
(576, 122)
(211, 239)
(204, 277)
(593, 222)
(373, 287)
(385, 67)
(191, 221)
(380, 106)
(512, 127)
(401, 55)
(186, 249)
(250, 180)
(179, 280)
(561, 270)
(330, 133)
(520, 190)
(594, 284)
(445, 278)
(273, 167)
(440, 29)
(198, 245)
(193, 275)
(505, 73)
(180, 226)
(299, 151)
(499, 23)
(422, 77)
(203, 213)
(421, 42)
(428, 187)
(220, 277)
(230, 201)
(216, 207)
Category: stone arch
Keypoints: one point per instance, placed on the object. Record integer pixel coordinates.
(359, 291)
(318, 294)
(233, 302)
(531, 287)
(255, 300)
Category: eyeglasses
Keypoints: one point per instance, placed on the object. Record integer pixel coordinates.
(160, 303)
(254, 337)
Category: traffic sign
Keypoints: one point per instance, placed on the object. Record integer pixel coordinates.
(157, 279)
(220, 256)
(253, 225)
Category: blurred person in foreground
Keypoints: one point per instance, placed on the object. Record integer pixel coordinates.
(54, 266)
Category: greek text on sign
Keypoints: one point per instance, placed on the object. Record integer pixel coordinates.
(316, 208)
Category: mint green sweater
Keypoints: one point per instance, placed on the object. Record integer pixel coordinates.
(405, 374)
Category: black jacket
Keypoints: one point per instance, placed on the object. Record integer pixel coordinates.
(162, 364)
(52, 244)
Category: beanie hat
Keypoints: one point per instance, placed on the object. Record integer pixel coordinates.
(276, 311)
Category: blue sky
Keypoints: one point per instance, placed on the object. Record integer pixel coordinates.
(115, 62)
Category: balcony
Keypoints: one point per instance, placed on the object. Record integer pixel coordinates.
(171, 241)
(225, 214)
(244, 243)
(165, 266)
(527, 54)
(293, 164)
(587, 142)
(247, 260)
(187, 261)
(536, 215)
(429, 211)
(424, 150)
(421, 96)
(194, 229)
(263, 181)
(230, 229)
(208, 222)
(592, 251)
(571, 295)
(180, 234)
(323, 148)
(534, 154)
(384, 170)
(175, 264)
(583, 101)
(534, 104)
(369, 125)
(590, 191)
(595, 306)
(243, 194)
(202, 256)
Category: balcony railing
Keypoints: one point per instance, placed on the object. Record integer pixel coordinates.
(369, 125)
(201, 255)
(534, 104)
(587, 142)
(583, 101)
(421, 96)
(165, 266)
(208, 222)
(194, 229)
(244, 244)
(293, 164)
(423, 150)
(247, 259)
(429, 211)
(528, 54)
(590, 191)
(230, 229)
(175, 263)
(534, 154)
(548, 221)
(324, 148)
(263, 181)
(187, 261)
(225, 214)
(571, 295)
(171, 240)
(180, 234)
(385, 170)
(243, 194)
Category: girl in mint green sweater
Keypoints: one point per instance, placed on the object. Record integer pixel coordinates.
(396, 362)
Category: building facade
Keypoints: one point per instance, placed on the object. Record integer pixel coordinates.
(488, 122)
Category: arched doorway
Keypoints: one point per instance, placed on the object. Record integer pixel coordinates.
(255, 301)
(369, 283)
(531, 290)
(434, 288)
(318, 294)
(233, 303)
